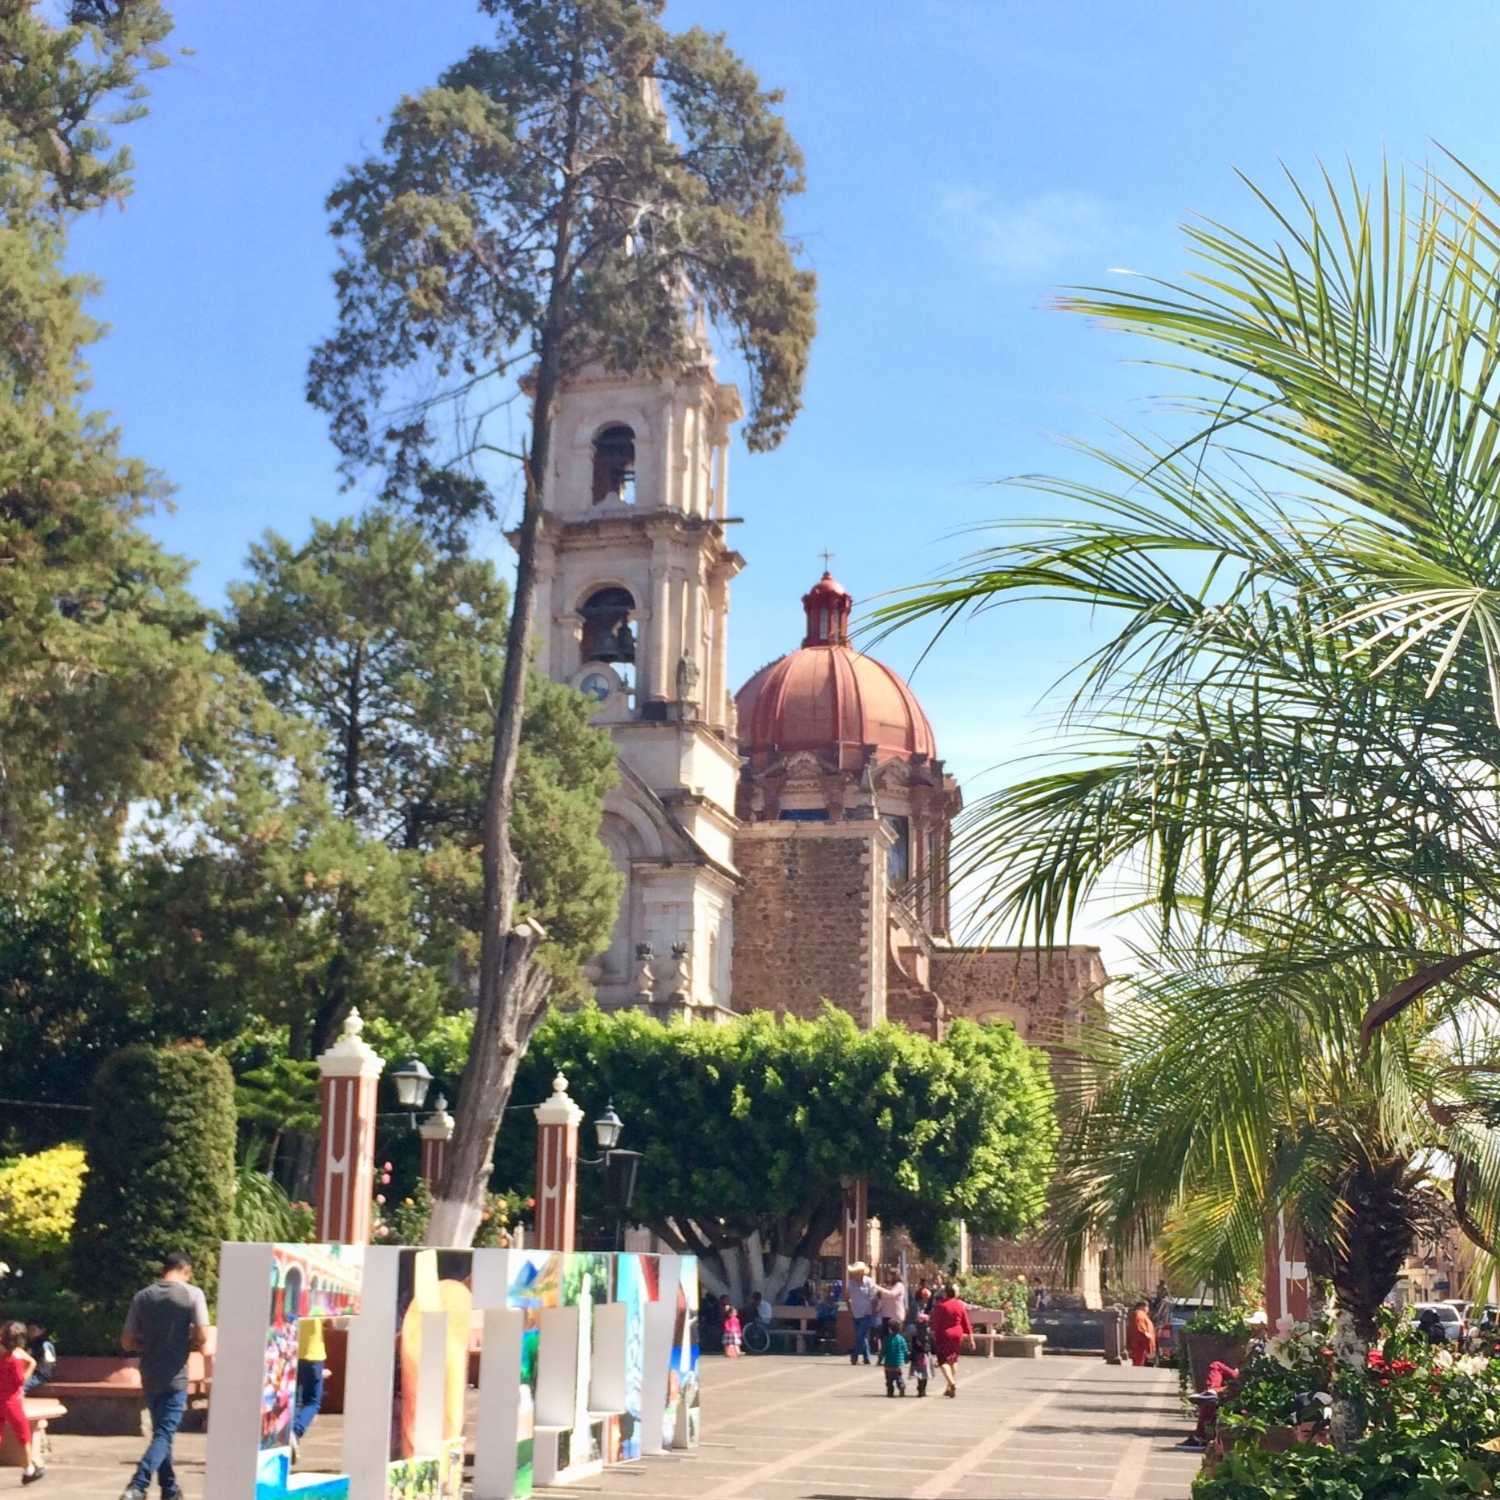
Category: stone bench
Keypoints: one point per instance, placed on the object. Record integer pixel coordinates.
(798, 1326)
(991, 1336)
(41, 1412)
(1010, 1345)
(101, 1393)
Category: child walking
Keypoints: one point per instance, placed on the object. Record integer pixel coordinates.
(921, 1352)
(16, 1368)
(733, 1329)
(893, 1357)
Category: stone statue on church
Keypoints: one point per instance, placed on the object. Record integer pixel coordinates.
(645, 980)
(682, 975)
(687, 679)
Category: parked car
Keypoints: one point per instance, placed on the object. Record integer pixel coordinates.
(1448, 1315)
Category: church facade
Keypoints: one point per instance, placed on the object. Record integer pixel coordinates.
(782, 843)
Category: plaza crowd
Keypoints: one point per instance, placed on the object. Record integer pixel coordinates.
(910, 1335)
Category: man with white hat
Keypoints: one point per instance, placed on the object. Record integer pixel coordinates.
(861, 1309)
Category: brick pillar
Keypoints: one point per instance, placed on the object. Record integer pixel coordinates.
(436, 1131)
(856, 1223)
(345, 1187)
(557, 1124)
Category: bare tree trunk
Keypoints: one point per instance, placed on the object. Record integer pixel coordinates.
(513, 991)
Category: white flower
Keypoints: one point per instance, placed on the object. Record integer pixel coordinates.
(1442, 1360)
(1472, 1364)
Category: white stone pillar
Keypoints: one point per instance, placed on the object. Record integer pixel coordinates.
(661, 685)
(557, 1123)
(436, 1131)
(349, 1072)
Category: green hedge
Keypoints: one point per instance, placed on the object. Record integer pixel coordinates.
(161, 1170)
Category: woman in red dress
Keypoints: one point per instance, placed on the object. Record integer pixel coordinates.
(1140, 1337)
(16, 1367)
(950, 1327)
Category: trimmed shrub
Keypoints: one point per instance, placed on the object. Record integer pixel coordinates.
(160, 1170)
(38, 1198)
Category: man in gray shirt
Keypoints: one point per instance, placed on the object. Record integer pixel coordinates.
(167, 1321)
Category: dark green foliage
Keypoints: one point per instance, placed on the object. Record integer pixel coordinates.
(533, 198)
(388, 654)
(85, 969)
(590, 189)
(751, 1126)
(161, 1170)
(104, 676)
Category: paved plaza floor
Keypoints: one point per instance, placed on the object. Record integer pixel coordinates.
(811, 1428)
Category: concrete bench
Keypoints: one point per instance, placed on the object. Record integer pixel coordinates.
(41, 1412)
(797, 1326)
(990, 1335)
(102, 1395)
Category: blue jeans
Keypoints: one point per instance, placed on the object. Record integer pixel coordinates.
(166, 1408)
(862, 1327)
(309, 1395)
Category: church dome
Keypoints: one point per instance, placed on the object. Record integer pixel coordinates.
(828, 696)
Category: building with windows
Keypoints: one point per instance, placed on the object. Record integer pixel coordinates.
(783, 844)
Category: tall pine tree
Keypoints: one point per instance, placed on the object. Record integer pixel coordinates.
(578, 191)
(104, 676)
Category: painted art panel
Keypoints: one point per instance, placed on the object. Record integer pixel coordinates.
(576, 1349)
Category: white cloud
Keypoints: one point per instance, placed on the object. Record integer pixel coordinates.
(1036, 235)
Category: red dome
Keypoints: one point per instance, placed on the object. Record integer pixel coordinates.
(828, 696)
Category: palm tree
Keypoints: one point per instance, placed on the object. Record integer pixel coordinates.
(1258, 1074)
(1301, 695)
(1286, 749)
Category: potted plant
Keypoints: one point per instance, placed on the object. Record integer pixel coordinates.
(1215, 1334)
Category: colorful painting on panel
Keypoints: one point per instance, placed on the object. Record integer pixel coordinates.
(591, 1347)
(266, 1291)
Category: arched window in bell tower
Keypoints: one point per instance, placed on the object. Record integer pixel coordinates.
(614, 465)
(608, 626)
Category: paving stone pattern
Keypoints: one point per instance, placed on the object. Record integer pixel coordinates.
(815, 1429)
(811, 1428)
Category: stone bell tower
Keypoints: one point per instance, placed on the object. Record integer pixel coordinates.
(632, 609)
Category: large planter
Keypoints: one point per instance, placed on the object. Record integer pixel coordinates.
(1204, 1348)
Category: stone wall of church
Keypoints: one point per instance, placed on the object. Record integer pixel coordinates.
(809, 923)
(1044, 992)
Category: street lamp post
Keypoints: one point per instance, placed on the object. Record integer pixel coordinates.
(620, 1168)
(557, 1163)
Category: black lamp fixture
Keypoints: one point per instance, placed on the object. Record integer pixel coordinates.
(412, 1081)
(619, 1167)
(608, 1127)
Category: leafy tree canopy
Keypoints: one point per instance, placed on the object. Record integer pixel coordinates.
(531, 215)
(534, 202)
(104, 676)
(389, 654)
(749, 1128)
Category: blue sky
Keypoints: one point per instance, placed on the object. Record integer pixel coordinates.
(964, 159)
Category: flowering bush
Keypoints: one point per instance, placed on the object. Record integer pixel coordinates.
(1007, 1294)
(404, 1221)
(38, 1198)
(1427, 1416)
